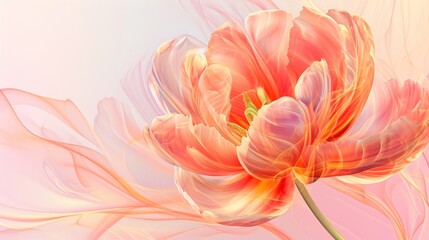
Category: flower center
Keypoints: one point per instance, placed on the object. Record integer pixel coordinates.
(251, 109)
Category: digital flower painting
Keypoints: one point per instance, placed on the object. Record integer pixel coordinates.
(275, 120)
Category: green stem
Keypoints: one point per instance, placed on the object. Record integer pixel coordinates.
(316, 211)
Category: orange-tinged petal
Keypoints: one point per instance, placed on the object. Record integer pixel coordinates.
(238, 200)
(275, 139)
(230, 47)
(196, 148)
(345, 42)
(313, 37)
(269, 33)
(358, 80)
(389, 134)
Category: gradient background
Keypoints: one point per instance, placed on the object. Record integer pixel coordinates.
(81, 50)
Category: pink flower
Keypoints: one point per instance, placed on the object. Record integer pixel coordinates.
(282, 99)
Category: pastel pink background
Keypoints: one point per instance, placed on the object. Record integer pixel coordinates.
(83, 49)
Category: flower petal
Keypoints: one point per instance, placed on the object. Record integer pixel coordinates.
(313, 89)
(269, 32)
(275, 139)
(313, 37)
(347, 47)
(229, 46)
(238, 200)
(396, 133)
(196, 148)
(359, 72)
(213, 96)
(176, 66)
(314, 85)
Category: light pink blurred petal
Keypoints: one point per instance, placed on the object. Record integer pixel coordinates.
(275, 139)
(197, 148)
(61, 179)
(391, 209)
(121, 139)
(58, 186)
(169, 90)
(402, 199)
(212, 13)
(238, 200)
(63, 116)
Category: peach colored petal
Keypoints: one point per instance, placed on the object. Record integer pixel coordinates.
(212, 99)
(197, 148)
(166, 86)
(238, 200)
(397, 134)
(275, 139)
(171, 89)
(193, 66)
(269, 33)
(213, 95)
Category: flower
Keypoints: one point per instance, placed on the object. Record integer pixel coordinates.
(282, 99)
